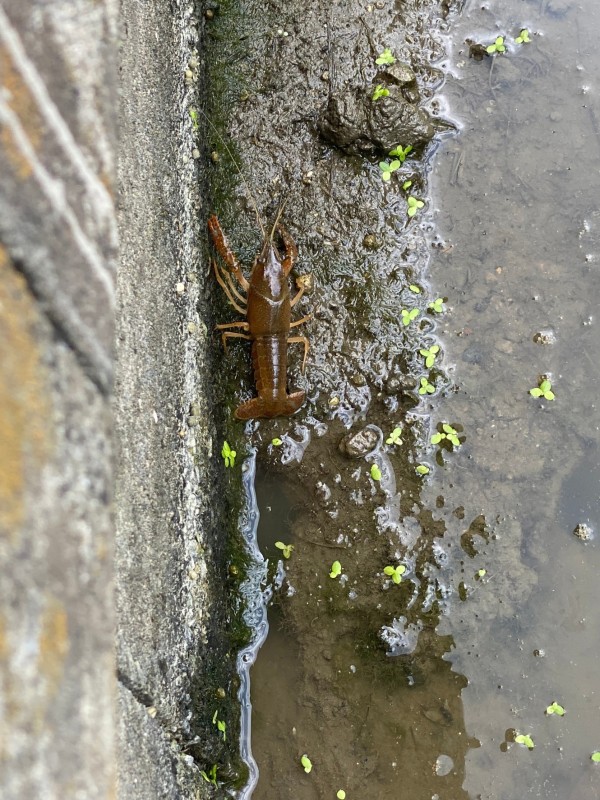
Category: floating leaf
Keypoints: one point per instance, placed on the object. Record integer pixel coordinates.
(498, 46)
(286, 549)
(375, 472)
(525, 738)
(523, 37)
(406, 185)
(306, 762)
(336, 569)
(481, 573)
(341, 795)
(276, 442)
(437, 305)
(414, 288)
(555, 708)
(423, 469)
(596, 757)
(426, 387)
(437, 438)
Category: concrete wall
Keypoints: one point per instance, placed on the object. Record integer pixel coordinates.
(70, 444)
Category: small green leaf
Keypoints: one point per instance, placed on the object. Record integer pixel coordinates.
(426, 387)
(423, 469)
(523, 37)
(375, 472)
(228, 455)
(437, 438)
(596, 757)
(379, 92)
(549, 395)
(286, 549)
(401, 152)
(222, 728)
(341, 794)
(555, 708)
(336, 569)
(448, 428)
(276, 442)
(535, 392)
(305, 760)
(437, 305)
(481, 573)
(385, 57)
(215, 715)
(525, 738)
(453, 438)
(414, 288)
(395, 573)
(406, 185)
(545, 386)
(394, 437)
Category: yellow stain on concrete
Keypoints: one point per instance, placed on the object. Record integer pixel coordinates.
(53, 647)
(21, 101)
(25, 421)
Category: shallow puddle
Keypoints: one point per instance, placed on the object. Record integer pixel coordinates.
(420, 686)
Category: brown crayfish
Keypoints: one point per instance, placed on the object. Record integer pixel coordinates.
(268, 312)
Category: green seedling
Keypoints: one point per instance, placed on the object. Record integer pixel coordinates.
(194, 118)
(375, 472)
(401, 152)
(422, 469)
(212, 775)
(221, 726)
(449, 433)
(341, 795)
(523, 37)
(414, 288)
(413, 205)
(286, 549)
(336, 569)
(555, 708)
(395, 573)
(430, 355)
(596, 757)
(409, 315)
(426, 387)
(497, 47)
(386, 57)
(481, 573)
(379, 92)
(277, 442)
(437, 305)
(543, 390)
(394, 437)
(228, 455)
(306, 762)
(525, 738)
(387, 167)
(406, 185)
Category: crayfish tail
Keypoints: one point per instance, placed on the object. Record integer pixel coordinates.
(259, 408)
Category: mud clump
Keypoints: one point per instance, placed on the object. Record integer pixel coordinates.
(356, 124)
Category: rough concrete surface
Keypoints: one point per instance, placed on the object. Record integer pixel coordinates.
(58, 238)
(66, 492)
(163, 517)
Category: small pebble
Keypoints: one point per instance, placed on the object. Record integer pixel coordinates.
(583, 532)
(195, 153)
(180, 288)
(209, 13)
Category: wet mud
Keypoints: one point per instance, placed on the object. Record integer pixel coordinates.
(408, 686)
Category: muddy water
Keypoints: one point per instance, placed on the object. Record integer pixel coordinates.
(420, 687)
